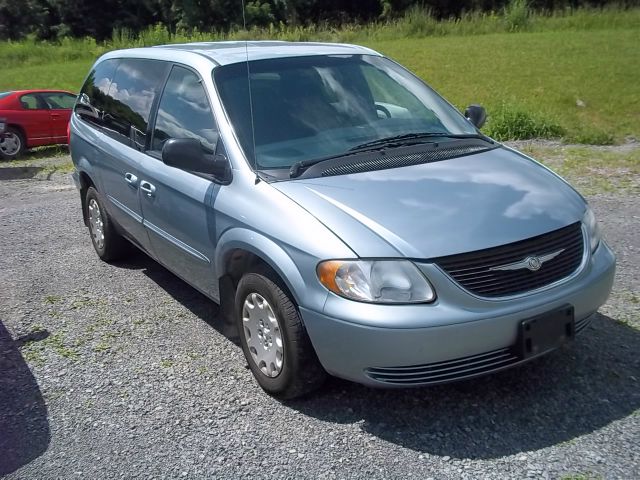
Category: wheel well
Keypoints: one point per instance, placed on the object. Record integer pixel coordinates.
(237, 262)
(21, 130)
(85, 183)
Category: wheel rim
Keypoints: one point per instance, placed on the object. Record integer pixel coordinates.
(10, 144)
(263, 334)
(96, 225)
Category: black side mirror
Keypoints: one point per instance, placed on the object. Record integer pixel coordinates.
(188, 154)
(476, 114)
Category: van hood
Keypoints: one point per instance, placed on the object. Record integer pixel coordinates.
(435, 209)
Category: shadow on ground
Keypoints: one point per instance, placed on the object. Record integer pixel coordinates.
(24, 427)
(19, 173)
(572, 392)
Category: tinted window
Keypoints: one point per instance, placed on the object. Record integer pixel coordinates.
(184, 112)
(93, 96)
(32, 102)
(130, 98)
(59, 100)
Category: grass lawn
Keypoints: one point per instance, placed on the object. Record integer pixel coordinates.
(584, 83)
(543, 73)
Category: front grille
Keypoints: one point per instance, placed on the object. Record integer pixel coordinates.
(456, 369)
(475, 272)
(383, 162)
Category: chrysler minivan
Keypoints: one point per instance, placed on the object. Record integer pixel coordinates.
(348, 220)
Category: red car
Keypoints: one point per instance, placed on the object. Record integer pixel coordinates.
(33, 118)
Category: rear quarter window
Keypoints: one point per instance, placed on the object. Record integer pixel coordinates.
(92, 99)
(131, 95)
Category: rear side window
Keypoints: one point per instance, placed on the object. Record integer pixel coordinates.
(59, 100)
(93, 96)
(118, 96)
(184, 112)
(130, 99)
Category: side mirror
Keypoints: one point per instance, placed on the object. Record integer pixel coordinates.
(476, 114)
(188, 154)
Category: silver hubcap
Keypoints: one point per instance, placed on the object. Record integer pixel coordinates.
(96, 226)
(262, 333)
(10, 144)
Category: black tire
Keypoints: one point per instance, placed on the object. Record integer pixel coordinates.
(110, 245)
(8, 150)
(301, 371)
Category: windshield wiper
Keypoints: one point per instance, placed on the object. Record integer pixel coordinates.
(404, 138)
(298, 168)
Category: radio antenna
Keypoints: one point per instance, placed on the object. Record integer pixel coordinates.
(253, 130)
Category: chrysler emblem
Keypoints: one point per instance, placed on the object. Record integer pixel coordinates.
(532, 262)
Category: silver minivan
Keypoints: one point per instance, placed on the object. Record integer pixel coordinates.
(348, 220)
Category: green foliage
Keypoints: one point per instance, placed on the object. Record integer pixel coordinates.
(259, 13)
(516, 15)
(533, 78)
(510, 122)
(51, 19)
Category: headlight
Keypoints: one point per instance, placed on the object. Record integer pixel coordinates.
(377, 281)
(593, 230)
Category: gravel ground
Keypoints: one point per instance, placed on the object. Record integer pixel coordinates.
(120, 371)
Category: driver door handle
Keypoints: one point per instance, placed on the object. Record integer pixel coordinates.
(147, 188)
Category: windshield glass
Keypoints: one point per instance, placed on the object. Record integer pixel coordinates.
(307, 108)
(4, 94)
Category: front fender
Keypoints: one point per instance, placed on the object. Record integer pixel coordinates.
(304, 286)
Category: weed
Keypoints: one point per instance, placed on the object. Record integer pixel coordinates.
(517, 15)
(166, 363)
(101, 347)
(51, 299)
(515, 123)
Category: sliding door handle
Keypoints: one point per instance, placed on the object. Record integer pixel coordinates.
(147, 188)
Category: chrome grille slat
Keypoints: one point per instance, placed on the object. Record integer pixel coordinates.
(447, 371)
(446, 376)
(446, 362)
(454, 369)
(475, 271)
(437, 370)
(521, 247)
(481, 262)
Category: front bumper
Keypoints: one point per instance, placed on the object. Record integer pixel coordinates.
(457, 337)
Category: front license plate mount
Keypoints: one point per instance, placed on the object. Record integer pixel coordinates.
(545, 332)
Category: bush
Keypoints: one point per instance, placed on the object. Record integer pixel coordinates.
(510, 122)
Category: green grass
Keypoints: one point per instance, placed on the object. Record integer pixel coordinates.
(572, 74)
(543, 74)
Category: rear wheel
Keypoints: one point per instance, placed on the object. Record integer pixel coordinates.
(107, 242)
(12, 144)
(273, 338)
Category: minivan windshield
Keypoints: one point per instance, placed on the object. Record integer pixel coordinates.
(307, 108)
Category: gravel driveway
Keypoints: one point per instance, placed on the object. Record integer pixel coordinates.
(121, 371)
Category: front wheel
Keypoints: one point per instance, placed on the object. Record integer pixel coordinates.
(273, 338)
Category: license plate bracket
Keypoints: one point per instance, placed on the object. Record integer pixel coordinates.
(545, 332)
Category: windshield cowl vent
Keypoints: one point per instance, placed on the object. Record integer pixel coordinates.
(387, 161)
